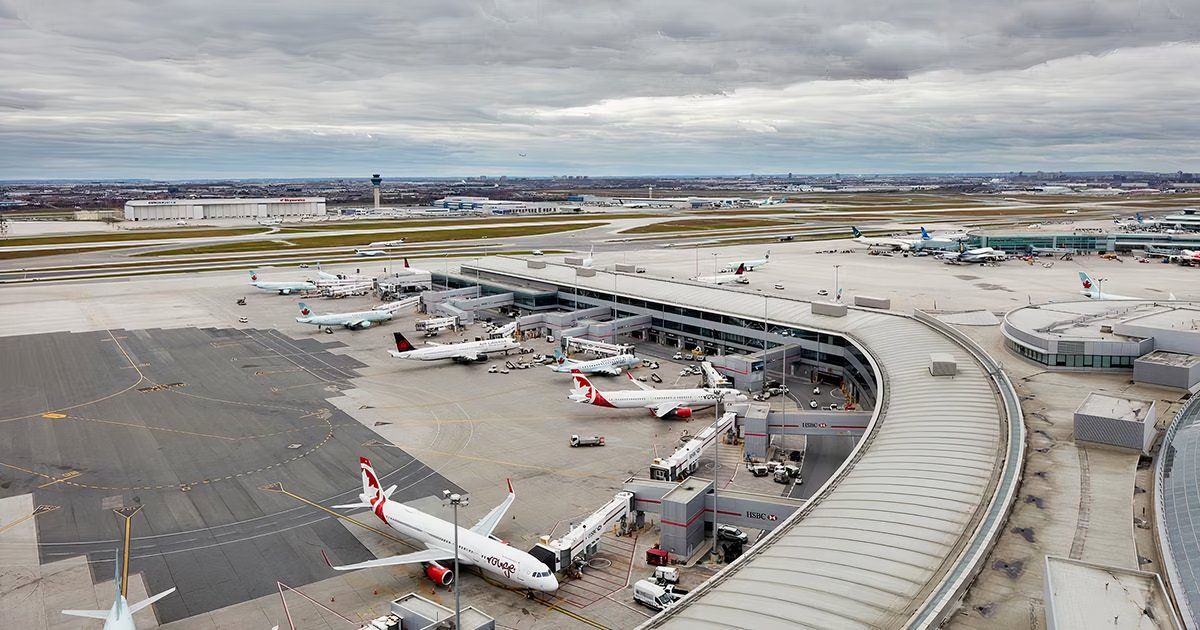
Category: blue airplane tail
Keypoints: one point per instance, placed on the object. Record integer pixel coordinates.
(925, 235)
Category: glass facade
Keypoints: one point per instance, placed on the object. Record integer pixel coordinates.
(1101, 361)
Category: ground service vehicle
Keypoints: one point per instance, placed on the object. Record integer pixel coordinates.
(595, 440)
(658, 597)
(666, 575)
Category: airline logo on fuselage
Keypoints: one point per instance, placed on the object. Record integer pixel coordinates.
(501, 564)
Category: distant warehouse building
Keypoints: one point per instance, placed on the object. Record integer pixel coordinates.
(195, 209)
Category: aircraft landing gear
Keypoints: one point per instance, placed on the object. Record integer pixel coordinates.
(328, 330)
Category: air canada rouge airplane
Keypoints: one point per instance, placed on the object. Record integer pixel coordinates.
(476, 546)
(661, 402)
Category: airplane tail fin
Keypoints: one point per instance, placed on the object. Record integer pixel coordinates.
(402, 344)
(584, 389)
(304, 310)
(406, 263)
(855, 231)
(742, 268)
(370, 481)
(1086, 280)
(1138, 216)
(558, 356)
(253, 276)
(925, 235)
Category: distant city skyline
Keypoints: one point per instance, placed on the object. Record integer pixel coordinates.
(184, 91)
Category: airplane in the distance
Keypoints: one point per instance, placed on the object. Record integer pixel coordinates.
(120, 616)
(611, 366)
(978, 255)
(749, 265)
(370, 252)
(886, 242)
(1092, 290)
(358, 320)
(476, 546)
(284, 288)
(726, 278)
(465, 352)
(661, 402)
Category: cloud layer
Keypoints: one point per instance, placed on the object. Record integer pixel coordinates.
(305, 88)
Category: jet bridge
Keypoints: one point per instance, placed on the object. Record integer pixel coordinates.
(583, 540)
(686, 458)
(577, 344)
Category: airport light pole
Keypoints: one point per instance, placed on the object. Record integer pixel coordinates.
(1100, 288)
(456, 499)
(716, 467)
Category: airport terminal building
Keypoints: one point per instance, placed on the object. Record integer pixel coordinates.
(197, 209)
(1159, 341)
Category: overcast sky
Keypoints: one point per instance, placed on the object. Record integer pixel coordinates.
(254, 88)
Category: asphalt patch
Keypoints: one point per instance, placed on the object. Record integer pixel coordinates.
(190, 424)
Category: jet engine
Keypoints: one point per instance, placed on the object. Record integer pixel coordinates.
(363, 325)
(683, 412)
(439, 574)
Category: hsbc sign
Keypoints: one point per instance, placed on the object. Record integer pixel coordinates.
(761, 516)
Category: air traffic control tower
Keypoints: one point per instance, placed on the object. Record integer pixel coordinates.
(376, 180)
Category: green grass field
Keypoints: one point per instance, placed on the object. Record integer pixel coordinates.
(34, 253)
(695, 225)
(355, 240)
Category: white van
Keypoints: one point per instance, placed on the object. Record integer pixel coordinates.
(648, 593)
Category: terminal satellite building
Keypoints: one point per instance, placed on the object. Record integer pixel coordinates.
(195, 209)
(1159, 341)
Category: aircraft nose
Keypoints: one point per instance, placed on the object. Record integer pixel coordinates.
(550, 584)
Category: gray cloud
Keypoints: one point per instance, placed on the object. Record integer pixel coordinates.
(178, 89)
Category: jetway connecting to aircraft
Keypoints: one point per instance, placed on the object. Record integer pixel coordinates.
(583, 540)
(578, 344)
(462, 302)
(686, 459)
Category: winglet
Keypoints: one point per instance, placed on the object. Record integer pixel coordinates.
(327, 562)
(510, 490)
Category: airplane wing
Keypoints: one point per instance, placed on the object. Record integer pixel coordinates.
(429, 555)
(488, 523)
(663, 409)
(640, 384)
(357, 323)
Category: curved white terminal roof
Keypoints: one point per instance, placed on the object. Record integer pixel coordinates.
(886, 534)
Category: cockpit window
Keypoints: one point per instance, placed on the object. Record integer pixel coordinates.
(541, 574)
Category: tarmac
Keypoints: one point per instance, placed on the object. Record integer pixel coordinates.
(466, 428)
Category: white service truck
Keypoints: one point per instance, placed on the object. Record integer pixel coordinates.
(650, 593)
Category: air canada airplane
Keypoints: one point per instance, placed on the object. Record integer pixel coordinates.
(661, 402)
(611, 366)
(283, 288)
(476, 546)
(738, 276)
(120, 616)
(465, 352)
(1092, 290)
(353, 321)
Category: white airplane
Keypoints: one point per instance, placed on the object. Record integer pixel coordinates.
(895, 244)
(353, 321)
(465, 352)
(369, 252)
(476, 546)
(412, 269)
(120, 616)
(590, 260)
(951, 237)
(284, 288)
(395, 243)
(611, 366)
(1092, 290)
(979, 255)
(769, 201)
(661, 402)
(749, 265)
(738, 276)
